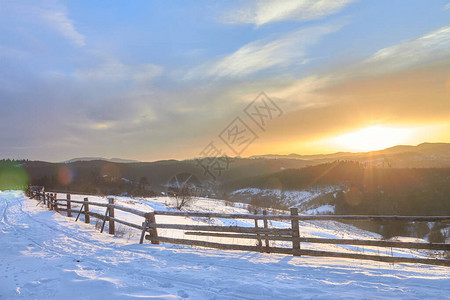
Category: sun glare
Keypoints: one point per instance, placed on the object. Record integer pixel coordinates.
(372, 138)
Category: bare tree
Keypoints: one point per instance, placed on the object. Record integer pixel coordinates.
(184, 196)
(182, 190)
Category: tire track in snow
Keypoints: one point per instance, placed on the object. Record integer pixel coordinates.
(4, 218)
(163, 275)
(97, 264)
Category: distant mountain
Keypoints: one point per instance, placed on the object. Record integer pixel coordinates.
(336, 155)
(424, 148)
(88, 173)
(114, 160)
(425, 155)
(364, 190)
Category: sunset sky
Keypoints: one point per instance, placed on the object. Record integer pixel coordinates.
(151, 80)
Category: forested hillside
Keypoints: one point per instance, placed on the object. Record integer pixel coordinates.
(367, 190)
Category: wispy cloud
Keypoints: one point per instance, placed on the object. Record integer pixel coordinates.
(112, 70)
(267, 11)
(48, 14)
(8, 52)
(447, 6)
(287, 50)
(61, 23)
(428, 53)
(429, 47)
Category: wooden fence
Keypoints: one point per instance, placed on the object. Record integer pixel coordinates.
(261, 234)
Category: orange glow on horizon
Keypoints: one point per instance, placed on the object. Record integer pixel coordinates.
(373, 138)
(363, 139)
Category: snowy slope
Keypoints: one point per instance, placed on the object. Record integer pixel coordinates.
(306, 200)
(44, 255)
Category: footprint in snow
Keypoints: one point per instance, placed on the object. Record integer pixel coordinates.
(166, 285)
(183, 294)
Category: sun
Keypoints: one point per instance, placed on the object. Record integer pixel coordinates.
(372, 138)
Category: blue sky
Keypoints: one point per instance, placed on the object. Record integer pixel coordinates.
(155, 80)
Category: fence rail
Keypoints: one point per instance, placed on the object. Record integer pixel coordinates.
(261, 234)
(443, 219)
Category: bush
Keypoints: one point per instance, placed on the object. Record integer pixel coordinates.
(184, 196)
(421, 229)
(392, 229)
(436, 235)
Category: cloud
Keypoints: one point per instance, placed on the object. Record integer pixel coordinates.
(286, 51)
(447, 6)
(425, 49)
(104, 102)
(11, 53)
(267, 11)
(61, 23)
(405, 84)
(409, 98)
(34, 15)
(304, 93)
(428, 52)
(113, 70)
(108, 104)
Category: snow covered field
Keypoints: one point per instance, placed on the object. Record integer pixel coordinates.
(303, 199)
(45, 255)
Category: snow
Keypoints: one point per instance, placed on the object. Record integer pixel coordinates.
(324, 209)
(45, 255)
(293, 198)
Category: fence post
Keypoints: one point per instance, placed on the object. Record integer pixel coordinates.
(153, 230)
(104, 219)
(266, 235)
(44, 199)
(55, 203)
(111, 215)
(69, 206)
(52, 202)
(79, 213)
(144, 230)
(87, 218)
(258, 236)
(295, 232)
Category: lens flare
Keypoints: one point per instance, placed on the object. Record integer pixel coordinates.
(65, 175)
(13, 177)
(353, 196)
